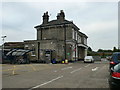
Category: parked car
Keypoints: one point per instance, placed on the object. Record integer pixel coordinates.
(115, 59)
(97, 58)
(114, 78)
(88, 59)
(108, 58)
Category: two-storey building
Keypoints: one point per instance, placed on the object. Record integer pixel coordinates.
(59, 37)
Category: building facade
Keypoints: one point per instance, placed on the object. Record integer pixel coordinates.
(59, 39)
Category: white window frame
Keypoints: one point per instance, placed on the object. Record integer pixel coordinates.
(79, 39)
(85, 41)
(73, 33)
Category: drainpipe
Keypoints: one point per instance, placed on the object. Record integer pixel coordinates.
(41, 34)
(38, 50)
(75, 52)
(65, 38)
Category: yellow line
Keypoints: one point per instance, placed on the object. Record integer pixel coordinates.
(33, 67)
(10, 69)
(28, 68)
(3, 65)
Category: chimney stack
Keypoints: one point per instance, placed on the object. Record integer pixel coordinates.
(61, 16)
(45, 18)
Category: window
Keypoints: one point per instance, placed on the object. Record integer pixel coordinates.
(117, 68)
(26, 46)
(79, 39)
(73, 33)
(85, 41)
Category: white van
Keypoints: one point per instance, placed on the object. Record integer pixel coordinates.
(88, 59)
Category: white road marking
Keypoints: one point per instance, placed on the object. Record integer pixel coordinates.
(94, 69)
(107, 80)
(70, 63)
(76, 70)
(45, 83)
(55, 70)
(66, 68)
(87, 65)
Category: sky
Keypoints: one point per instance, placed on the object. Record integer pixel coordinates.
(98, 20)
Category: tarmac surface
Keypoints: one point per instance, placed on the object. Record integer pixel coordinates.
(72, 75)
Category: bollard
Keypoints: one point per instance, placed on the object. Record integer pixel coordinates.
(62, 62)
(13, 72)
(66, 61)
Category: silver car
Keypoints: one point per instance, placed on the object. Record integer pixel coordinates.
(88, 59)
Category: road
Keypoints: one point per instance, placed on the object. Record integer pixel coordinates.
(72, 75)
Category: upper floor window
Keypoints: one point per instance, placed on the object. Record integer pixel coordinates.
(79, 39)
(73, 33)
(85, 41)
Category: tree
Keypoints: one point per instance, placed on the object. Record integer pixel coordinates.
(115, 49)
(100, 50)
(89, 49)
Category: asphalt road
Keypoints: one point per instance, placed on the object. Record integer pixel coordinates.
(72, 75)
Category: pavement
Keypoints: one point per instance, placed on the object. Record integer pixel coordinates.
(72, 75)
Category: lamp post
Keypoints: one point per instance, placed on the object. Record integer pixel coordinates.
(3, 39)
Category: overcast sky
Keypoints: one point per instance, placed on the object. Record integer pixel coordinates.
(98, 20)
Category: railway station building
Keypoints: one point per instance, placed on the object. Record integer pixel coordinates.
(58, 39)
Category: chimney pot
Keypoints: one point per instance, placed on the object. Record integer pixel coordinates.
(61, 16)
(45, 18)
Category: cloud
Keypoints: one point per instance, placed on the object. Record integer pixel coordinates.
(102, 35)
(19, 35)
(101, 26)
(61, 1)
(97, 20)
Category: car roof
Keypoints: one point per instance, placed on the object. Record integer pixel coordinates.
(88, 57)
(116, 53)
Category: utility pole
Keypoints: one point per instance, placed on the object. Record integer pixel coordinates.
(39, 51)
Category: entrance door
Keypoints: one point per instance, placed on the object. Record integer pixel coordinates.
(48, 56)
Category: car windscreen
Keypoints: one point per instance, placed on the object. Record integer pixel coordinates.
(88, 57)
(117, 68)
(116, 57)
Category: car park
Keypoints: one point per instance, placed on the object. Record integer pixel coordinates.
(115, 59)
(114, 78)
(88, 59)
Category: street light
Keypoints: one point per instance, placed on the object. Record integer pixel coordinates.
(3, 39)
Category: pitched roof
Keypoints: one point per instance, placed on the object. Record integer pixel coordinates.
(56, 22)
